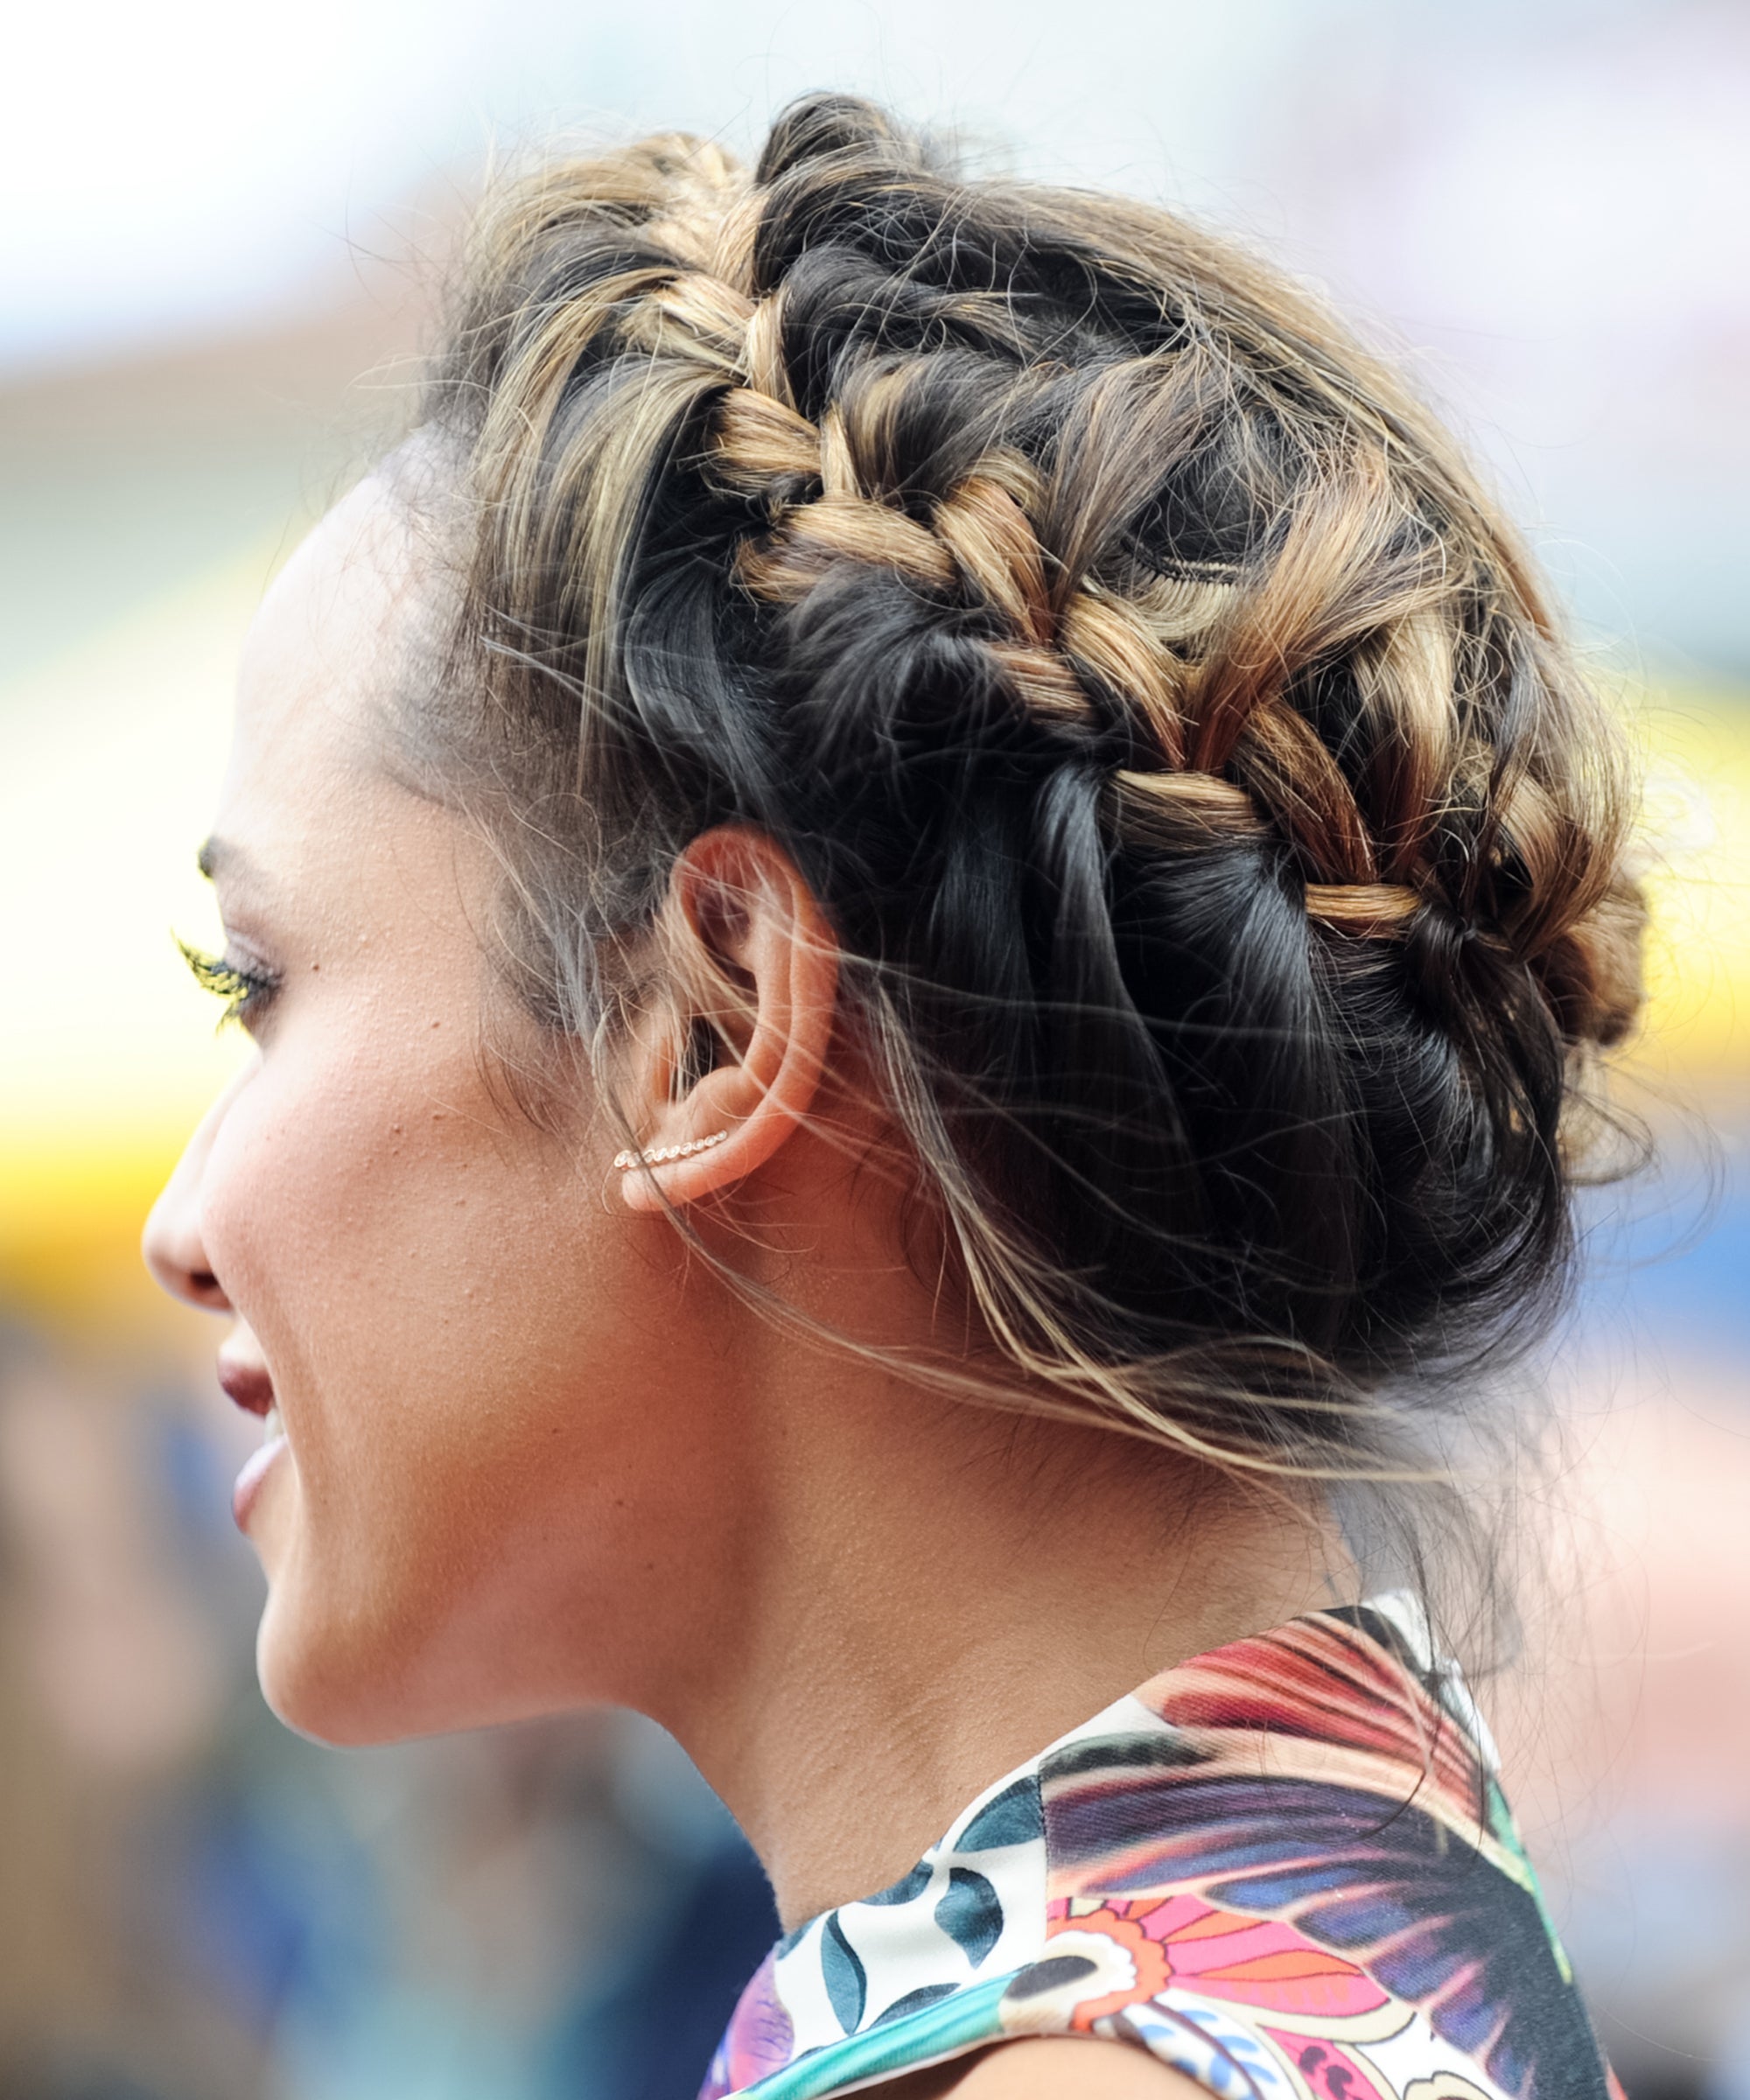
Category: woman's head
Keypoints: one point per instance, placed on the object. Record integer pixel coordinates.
(1212, 862)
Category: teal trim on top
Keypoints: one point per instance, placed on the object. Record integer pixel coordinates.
(926, 2036)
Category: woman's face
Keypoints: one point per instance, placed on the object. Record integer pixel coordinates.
(486, 1489)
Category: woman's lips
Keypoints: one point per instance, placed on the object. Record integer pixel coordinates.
(250, 1387)
(247, 1383)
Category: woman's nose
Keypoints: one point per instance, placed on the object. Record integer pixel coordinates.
(173, 1245)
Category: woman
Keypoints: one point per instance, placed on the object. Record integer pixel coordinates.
(925, 901)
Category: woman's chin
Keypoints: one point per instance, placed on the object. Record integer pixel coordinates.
(331, 1655)
(301, 1684)
(342, 1675)
(323, 1674)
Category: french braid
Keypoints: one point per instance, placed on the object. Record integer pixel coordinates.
(1227, 858)
(1228, 748)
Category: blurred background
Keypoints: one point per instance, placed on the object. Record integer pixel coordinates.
(222, 229)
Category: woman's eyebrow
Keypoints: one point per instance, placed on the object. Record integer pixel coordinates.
(216, 856)
(223, 859)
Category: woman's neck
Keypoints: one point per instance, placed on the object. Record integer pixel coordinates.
(931, 1593)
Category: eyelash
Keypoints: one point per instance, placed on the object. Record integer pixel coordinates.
(246, 992)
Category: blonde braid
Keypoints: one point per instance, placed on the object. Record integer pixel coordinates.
(1199, 661)
(983, 536)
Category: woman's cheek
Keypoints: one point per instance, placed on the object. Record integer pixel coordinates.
(279, 1219)
(280, 1197)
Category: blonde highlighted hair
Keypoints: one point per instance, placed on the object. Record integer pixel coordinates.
(1227, 856)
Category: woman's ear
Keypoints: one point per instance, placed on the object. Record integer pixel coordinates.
(736, 1066)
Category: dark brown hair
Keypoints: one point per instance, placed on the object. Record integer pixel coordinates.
(1226, 855)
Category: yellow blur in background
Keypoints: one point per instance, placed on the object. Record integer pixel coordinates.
(108, 1054)
(107, 1059)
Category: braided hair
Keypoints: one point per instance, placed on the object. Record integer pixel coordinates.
(1227, 856)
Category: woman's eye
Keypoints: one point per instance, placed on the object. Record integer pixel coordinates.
(245, 991)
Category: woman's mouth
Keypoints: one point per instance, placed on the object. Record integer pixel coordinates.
(250, 1385)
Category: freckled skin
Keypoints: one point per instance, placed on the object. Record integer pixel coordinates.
(441, 1296)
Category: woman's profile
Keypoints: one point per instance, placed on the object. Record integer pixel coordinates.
(927, 905)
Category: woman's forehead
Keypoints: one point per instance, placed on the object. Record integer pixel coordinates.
(321, 662)
(330, 628)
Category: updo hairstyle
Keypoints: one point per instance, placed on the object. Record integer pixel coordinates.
(1227, 856)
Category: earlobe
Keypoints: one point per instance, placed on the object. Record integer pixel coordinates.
(741, 916)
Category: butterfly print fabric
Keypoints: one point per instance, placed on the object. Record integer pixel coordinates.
(1286, 1868)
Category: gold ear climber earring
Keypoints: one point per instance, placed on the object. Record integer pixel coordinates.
(662, 1154)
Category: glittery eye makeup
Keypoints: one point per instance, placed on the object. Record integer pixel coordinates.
(245, 991)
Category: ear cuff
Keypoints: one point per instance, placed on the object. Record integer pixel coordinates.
(662, 1154)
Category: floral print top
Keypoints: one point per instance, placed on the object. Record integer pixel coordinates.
(1286, 1868)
